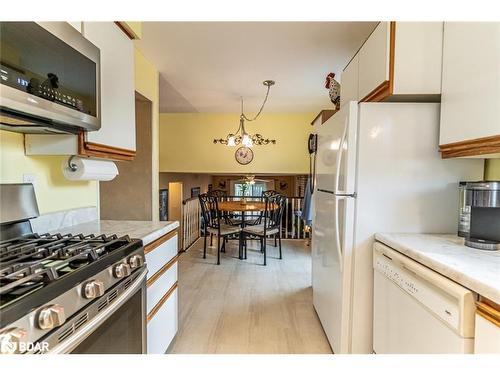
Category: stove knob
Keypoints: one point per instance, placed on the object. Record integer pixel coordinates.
(136, 261)
(93, 289)
(121, 270)
(51, 316)
(10, 339)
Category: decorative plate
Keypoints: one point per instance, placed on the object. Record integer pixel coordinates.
(243, 155)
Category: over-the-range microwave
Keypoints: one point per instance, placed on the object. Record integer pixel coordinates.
(49, 79)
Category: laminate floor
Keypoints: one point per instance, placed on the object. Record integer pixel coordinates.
(243, 307)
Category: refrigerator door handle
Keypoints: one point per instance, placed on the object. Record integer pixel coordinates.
(337, 232)
(339, 157)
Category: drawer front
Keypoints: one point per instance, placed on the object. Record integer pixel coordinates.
(163, 326)
(161, 286)
(161, 255)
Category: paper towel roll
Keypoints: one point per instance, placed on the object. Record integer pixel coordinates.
(90, 169)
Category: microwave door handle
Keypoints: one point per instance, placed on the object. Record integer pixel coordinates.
(337, 231)
(339, 157)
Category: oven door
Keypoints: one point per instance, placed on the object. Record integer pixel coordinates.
(119, 328)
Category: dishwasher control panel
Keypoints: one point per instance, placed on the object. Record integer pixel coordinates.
(435, 299)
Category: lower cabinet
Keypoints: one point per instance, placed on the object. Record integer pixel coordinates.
(162, 293)
(163, 325)
(487, 340)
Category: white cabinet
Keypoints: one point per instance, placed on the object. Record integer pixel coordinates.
(418, 58)
(470, 111)
(117, 85)
(349, 82)
(487, 331)
(400, 61)
(162, 305)
(163, 326)
(374, 60)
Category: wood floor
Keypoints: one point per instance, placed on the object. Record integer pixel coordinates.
(243, 307)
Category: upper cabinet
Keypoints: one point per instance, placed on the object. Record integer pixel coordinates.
(117, 86)
(470, 110)
(349, 90)
(400, 61)
(374, 62)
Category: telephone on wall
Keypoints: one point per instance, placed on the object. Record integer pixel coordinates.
(313, 143)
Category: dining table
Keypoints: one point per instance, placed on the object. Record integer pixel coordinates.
(244, 207)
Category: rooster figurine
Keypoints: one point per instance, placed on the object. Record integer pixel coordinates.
(333, 89)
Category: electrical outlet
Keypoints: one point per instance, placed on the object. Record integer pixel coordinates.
(29, 178)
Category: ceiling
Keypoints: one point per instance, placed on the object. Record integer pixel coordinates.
(208, 66)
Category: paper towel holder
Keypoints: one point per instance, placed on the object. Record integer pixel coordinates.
(72, 166)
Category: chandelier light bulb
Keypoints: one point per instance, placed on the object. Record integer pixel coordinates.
(246, 140)
(231, 141)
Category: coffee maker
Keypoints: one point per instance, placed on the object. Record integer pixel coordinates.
(479, 217)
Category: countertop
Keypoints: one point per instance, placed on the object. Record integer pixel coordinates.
(477, 270)
(147, 231)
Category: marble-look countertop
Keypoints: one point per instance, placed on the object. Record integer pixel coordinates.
(477, 270)
(147, 231)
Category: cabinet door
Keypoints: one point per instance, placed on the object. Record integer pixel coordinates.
(487, 336)
(117, 85)
(349, 82)
(374, 60)
(418, 58)
(470, 83)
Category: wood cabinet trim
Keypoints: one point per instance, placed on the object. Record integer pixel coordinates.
(126, 30)
(161, 271)
(488, 312)
(160, 303)
(159, 241)
(392, 55)
(379, 93)
(471, 147)
(325, 115)
(386, 88)
(91, 149)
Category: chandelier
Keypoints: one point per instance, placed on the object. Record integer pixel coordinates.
(241, 136)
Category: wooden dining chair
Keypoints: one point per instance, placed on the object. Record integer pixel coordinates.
(214, 224)
(271, 224)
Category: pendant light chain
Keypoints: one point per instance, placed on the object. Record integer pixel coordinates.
(261, 107)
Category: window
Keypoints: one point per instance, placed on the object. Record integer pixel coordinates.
(254, 190)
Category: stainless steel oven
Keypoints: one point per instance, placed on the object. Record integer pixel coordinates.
(67, 293)
(113, 324)
(49, 79)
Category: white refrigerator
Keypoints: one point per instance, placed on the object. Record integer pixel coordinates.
(378, 169)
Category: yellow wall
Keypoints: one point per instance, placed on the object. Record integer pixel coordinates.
(186, 143)
(147, 84)
(53, 191)
(492, 171)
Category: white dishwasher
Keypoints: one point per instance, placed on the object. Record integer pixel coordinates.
(417, 310)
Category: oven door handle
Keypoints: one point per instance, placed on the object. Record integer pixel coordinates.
(73, 341)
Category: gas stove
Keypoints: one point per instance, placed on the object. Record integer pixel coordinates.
(61, 293)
